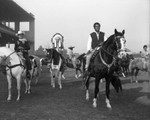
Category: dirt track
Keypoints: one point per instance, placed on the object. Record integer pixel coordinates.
(46, 103)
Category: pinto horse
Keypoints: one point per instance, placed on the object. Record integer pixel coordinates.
(78, 62)
(102, 64)
(56, 66)
(14, 68)
(36, 67)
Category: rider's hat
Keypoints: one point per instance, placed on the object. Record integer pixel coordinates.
(20, 33)
(71, 47)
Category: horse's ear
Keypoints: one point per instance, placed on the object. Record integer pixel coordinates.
(116, 31)
(123, 32)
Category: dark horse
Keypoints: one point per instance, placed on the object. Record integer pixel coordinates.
(124, 63)
(102, 65)
(56, 65)
(78, 62)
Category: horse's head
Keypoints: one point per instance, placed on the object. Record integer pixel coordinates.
(120, 41)
(49, 53)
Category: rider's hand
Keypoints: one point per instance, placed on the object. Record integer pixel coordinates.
(20, 48)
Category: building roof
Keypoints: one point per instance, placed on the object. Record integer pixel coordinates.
(11, 11)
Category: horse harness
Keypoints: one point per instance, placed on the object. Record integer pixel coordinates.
(10, 67)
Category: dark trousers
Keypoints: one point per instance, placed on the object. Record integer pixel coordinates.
(28, 63)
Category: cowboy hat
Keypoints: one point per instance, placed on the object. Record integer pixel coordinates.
(20, 33)
(71, 47)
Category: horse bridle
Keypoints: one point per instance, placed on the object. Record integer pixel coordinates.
(114, 59)
(12, 65)
(108, 65)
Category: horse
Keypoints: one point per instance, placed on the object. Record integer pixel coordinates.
(78, 62)
(103, 64)
(124, 63)
(56, 66)
(36, 70)
(44, 61)
(14, 67)
(136, 65)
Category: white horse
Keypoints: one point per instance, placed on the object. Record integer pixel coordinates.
(14, 68)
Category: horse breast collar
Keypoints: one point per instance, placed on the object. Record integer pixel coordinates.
(108, 65)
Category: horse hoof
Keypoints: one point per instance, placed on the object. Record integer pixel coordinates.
(76, 76)
(87, 98)
(109, 107)
(79, 75)
(94, 105)
(18, 99)
(8, 100)
(29, 91)
(25, 92)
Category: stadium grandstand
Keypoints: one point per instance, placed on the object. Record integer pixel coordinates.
(12, 19)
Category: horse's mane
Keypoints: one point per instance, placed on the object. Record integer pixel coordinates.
(109, 41)
(81, 56)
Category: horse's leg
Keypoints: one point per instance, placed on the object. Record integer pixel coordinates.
(136, 73)
(59, 80)
(87, 87)
(9, 87)
(80, 73)
(132, 75)
(52, 78)
(63, 75)
(107, 93)
(25, 82)
(29, 86)
(18, 86)
(76, 74)
(96, 91)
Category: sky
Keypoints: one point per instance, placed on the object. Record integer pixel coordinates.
(74, 19)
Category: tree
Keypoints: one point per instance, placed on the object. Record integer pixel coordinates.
(40, 51)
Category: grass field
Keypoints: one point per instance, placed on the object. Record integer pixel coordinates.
(47, 103)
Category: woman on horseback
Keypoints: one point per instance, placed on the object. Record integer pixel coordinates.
(58, 42)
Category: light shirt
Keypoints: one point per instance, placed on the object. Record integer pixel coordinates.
(89, 43)
(145, 54)
(70, 54)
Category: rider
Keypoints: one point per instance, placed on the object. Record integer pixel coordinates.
(57, 42)
(95, 39)
(72, 56)
(22, 46)
(145, 56)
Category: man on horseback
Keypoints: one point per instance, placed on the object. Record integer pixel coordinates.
(57, 42)
(22, 47)
(145, 56)
(95, 40)
(72, 56)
